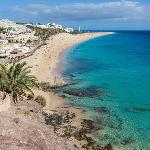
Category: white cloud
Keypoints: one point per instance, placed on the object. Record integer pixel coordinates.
(118, 10)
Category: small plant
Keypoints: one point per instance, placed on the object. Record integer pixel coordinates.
(41, 100)
(28, 41)
(30, 97)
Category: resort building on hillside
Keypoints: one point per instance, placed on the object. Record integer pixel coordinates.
(21, 37)
(3, 41)
(52, 26)
(6, 50)
(49, 26)
(69, 30)
(16, 32)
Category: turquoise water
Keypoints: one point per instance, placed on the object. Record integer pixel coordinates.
(118, 65)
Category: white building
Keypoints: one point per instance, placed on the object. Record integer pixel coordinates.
(69, 30)
(79, 29)
(17, 32)
(2, 41)
(8, 49)
(49, 26)
(13, 28)
(24, 49)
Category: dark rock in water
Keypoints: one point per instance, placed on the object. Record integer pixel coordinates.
(80, 134)
(99, 147)
(72, 75)
(63, 96)
(108, 147)
(66, 74)
(127, 141)
(47, 87)
(103, 110)
(90, 143)
(85, 92)
(69, 75)
(137, 109)
(90, 126)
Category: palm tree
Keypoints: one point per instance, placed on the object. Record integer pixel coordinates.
(16, 81)
(4, 82)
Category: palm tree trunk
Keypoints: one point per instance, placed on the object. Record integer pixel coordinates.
(14, 97)
(4, 95)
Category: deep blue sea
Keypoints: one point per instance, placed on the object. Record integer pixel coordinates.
(119, 66)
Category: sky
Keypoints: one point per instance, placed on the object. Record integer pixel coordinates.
(88, 14)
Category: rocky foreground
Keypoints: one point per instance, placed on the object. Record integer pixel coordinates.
(23, 128)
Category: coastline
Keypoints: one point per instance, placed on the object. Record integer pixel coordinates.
(45, 63)
(45, 60)
(56, 77)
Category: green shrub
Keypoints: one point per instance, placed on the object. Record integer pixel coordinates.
(41, 100)
(30, 97)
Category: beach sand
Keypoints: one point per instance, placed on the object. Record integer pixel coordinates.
(45, 60)
(44, 65)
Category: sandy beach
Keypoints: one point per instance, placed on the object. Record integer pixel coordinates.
(45, 63)
(45, 60)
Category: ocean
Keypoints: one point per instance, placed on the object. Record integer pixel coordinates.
(113, 74)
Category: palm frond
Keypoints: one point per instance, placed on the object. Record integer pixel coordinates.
(17, 80)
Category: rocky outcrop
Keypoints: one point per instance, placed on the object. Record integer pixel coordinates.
(24, 128)
(85, 92)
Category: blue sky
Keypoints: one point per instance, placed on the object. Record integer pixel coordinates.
(88, 14)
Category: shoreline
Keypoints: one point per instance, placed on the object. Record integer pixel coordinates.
(45, 60)
(55, 71)
(45, 63)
